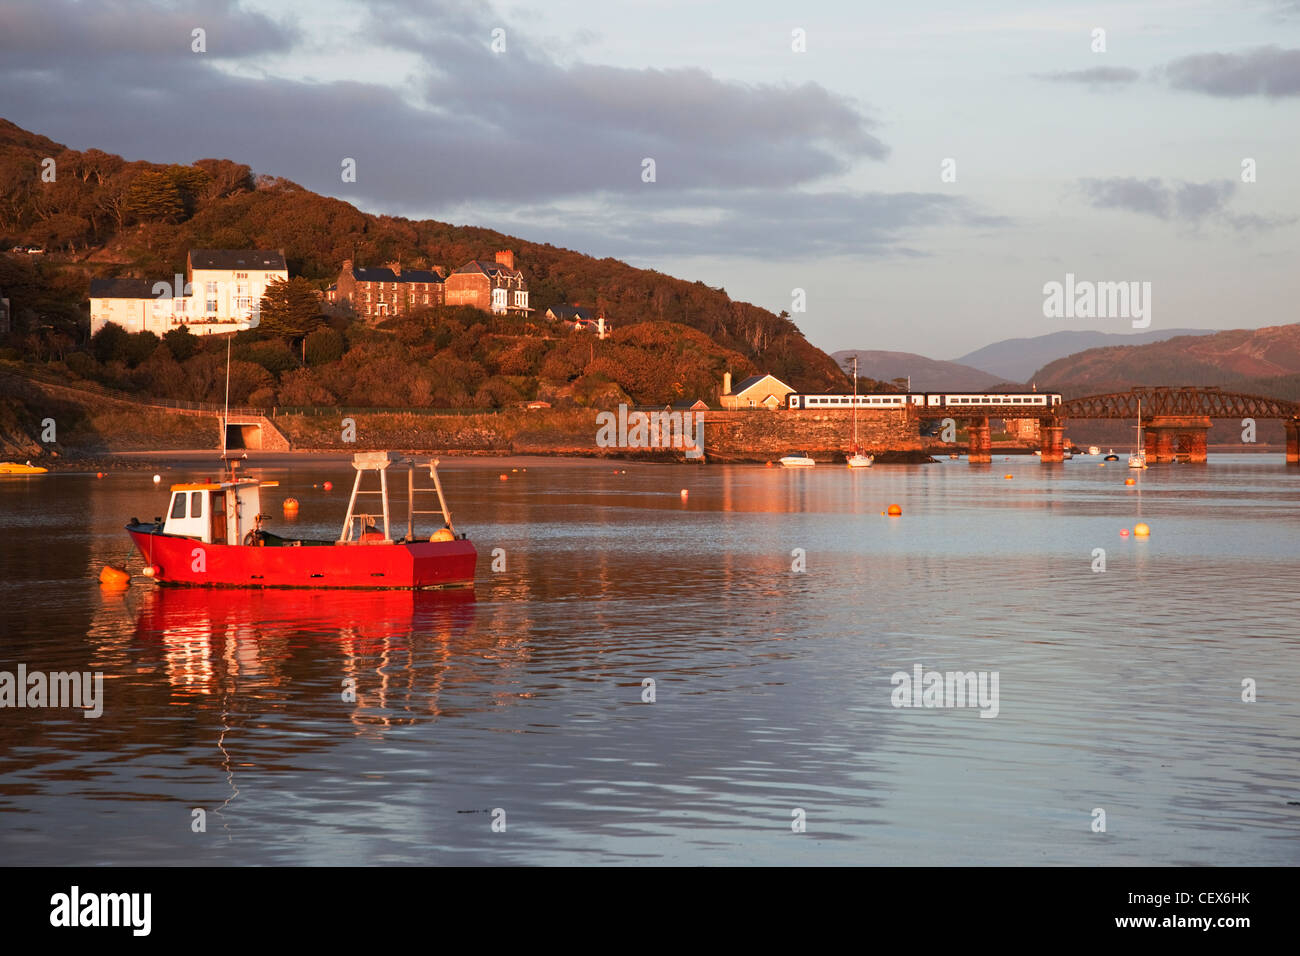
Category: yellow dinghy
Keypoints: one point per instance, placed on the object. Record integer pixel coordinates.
(13, 468)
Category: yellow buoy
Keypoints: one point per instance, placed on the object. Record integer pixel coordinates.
(895, 511)
(1141, 530)
(290, 506)
(112, 577)
(1130, 481)
(442, 534)
(1008, 476)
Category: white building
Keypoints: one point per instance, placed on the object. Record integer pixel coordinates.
(221, 292)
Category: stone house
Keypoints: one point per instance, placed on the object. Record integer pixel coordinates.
(376, 294)
(494, 286)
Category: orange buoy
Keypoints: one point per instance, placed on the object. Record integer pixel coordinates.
(505, 477)
(442, 534)
(1123, 532)
(291, 506)
(328, 486)
(113, 577)
(1130, 481)
(895, 511)
(99, 474)
(1008, 476)
(1141, 530)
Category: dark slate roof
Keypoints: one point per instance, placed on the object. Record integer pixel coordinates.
(375, 275)
(488, 266)
(570, 312)
(125, 288)
(419, 275)
(688, 403)
(752, 380)
(236, 259)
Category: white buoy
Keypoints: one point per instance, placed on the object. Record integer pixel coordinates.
(157, 479)
(685, 493)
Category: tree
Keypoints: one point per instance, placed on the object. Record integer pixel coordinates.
(290, 308)
(181, 342)
(110, 343)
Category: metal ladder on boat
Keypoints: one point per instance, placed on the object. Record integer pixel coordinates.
(380, 461)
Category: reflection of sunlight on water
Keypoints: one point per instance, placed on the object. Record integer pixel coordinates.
(772, 685)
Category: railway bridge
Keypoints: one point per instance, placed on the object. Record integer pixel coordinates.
(1174, 419)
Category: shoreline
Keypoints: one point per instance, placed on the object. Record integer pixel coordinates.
(168, 459)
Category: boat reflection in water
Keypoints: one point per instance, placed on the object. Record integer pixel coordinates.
(383, 654)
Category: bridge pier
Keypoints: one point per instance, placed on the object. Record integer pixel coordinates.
(981, 441)
(1292, 441)
(1176, 438)
(1051, 439)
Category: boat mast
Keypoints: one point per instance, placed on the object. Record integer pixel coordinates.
(855, 404)
(225, 416)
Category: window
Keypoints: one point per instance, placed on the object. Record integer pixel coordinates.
(178, 505)
(498, 300)
(196, 504)
(211, 298)
(241, 275)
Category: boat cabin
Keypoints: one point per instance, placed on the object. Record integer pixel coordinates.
(214, 512)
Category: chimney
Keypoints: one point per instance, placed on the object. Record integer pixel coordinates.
(347, 265)
(726, 383)
(506, 258)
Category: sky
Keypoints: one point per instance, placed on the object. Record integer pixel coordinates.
(906, 177)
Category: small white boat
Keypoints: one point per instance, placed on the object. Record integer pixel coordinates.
(1138, 459)
(797, 459)
(1066, 454)
(1094, 450)
(857, 459)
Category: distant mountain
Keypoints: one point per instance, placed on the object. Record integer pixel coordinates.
(927, 374)
(1016, 359)
(1265, 360)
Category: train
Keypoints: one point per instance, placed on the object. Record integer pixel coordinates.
(798, 400)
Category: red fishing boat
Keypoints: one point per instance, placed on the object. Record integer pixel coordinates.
(213, 537)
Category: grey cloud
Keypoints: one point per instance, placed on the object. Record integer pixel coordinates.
(1096, 76)
(515, 126)
(33, 32)
(1187, 203)
(777, 225)
(1149, 197)
(1267, 71)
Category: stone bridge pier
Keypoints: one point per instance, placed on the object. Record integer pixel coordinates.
(1176, 438)
(981, 441)
(1051, 435)
(1292, 441)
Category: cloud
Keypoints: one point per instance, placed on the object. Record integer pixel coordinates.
(1267, 71)
(1183, 202)
(511, 139)
(50, 31)
(1096, 76)
(780, 225)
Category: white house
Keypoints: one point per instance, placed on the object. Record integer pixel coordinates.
(221, 292)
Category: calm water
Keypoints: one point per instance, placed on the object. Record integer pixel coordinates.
(1118, 690)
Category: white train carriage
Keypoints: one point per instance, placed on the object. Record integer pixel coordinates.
(923, 399)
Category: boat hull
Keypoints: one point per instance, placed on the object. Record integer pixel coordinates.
(187, 562)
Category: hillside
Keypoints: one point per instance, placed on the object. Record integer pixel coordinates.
(1265, 361)
(104, 216)
(1016, 360)
(927, 374)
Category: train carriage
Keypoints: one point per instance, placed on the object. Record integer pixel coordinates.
(982, 400)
